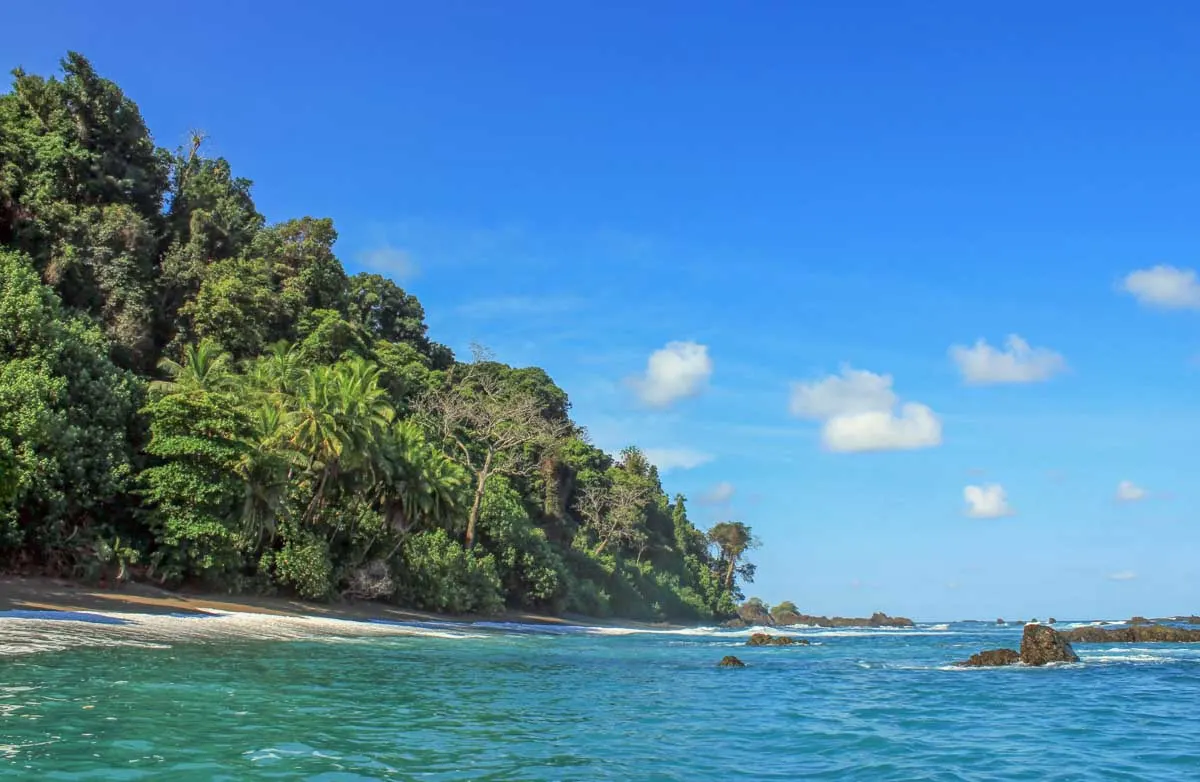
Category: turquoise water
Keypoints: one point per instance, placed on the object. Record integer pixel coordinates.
(508, 702)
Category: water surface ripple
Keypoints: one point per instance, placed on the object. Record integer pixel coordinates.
(500, 702)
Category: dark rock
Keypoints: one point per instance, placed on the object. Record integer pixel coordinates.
(1192, 620)
(762, 639)
(1139, 620)
(1033, 621)
(754, 614)
(877, 619)
(1134, 634)
(1001, 622)
(729, 661)
(734, 623)
(1041, 645)
(994, 657)
(1051, 621)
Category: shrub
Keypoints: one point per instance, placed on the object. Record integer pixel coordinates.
(438, 574)
(303, 563)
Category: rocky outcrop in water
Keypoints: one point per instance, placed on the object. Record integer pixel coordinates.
(878, 619)
(1041, 645)
(763, 639)
(1139, 620)
(1135, 634)
(993, 657)
(729, 661)
(1001, 622)
(1051, 621)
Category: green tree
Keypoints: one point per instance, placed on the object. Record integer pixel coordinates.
(490, 428)
(66, 419)
(732, 539)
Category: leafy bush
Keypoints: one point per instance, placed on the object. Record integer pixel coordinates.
(532, 573)
(304, 564)
(438, 574)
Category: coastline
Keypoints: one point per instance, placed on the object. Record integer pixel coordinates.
(39, 593)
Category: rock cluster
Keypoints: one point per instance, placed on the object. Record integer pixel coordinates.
(729, 661)
(1138, 633)
(762, 639)
(1040, 645)
(878, 619)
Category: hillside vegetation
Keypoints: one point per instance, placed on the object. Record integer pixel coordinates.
(191, 395)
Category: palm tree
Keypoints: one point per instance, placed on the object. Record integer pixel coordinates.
(415, 484)
(265, 469)
(732, 539)
(276, 372)
(340, 413)
(205, 368)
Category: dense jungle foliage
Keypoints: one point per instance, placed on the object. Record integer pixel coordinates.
(192, 396)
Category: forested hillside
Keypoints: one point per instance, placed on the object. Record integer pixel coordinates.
(192, 396)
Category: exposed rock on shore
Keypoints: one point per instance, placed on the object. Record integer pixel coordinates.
(1136, 634)
(993, 657)
(729, 661)
(762, 639)
(1041, 645)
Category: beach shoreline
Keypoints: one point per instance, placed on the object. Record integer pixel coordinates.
(40, 593)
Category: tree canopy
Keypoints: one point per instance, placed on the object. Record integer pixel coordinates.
(192, 395)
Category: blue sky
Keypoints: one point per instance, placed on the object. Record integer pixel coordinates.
(786, 191)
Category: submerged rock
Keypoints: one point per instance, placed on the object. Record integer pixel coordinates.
(1051, 621)
(762, 639)
(1041, 645)
(729, 661)
(1001, 622)
(1135, 634)
(990, 658)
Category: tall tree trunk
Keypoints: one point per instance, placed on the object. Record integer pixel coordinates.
(480, 485)
(729, 573)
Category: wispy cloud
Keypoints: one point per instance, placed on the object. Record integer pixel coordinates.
(1122, 575)
(390, 261)
(982, 364)
(1128, 491)
(668, 459)
(1165, 287)
(988, 501)
(520, 306)
(718, 494)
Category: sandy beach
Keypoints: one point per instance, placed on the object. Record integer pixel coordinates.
(45, 614)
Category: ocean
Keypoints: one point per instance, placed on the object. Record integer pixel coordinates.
(126, 697)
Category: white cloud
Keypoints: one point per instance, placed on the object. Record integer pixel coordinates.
(988, 501)
(983, 364)
(391, 262)
(858, 409)
(1128, 491)
(1162, 286)
(679, 370)
(718, 494)
(1123, 575)
(667, 459)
